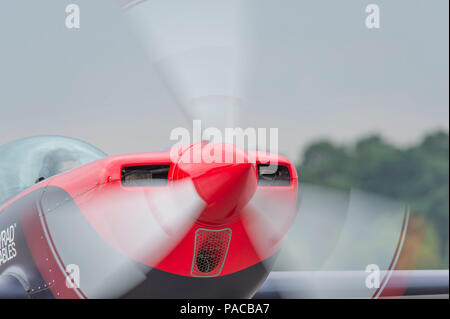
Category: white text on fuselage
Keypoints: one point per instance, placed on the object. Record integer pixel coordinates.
(7, 245)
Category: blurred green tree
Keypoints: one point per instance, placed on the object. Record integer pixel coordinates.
(418, 175)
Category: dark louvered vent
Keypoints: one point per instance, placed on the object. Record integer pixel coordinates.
(273, 175)
(145, 175)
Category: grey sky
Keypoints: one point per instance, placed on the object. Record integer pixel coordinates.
(310, 68)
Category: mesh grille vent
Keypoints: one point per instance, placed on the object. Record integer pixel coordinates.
(210, 251)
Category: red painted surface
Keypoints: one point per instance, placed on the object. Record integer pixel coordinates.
(225, 188)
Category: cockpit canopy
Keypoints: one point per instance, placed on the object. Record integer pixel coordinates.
(28, 161)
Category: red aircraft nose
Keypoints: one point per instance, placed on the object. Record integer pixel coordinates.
(222, 176)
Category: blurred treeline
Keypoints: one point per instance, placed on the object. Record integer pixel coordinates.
(417, 175)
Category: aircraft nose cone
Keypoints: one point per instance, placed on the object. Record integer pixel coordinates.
(227, 184)
(226, 190)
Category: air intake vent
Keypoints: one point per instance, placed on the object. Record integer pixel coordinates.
(145, 175)
(210, 251)
(276, 175)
